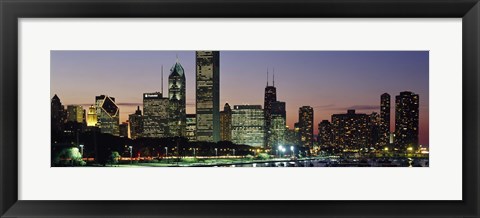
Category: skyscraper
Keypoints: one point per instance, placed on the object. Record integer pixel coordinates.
(155, 115)
(75, 113)
(325, 133)
(136, 123)
(176, 96)
(191, 130)
(278, 118)
(374, 130)
(291, 137)
(384, 119)
(406, 120)
(350, 130)
(92, 118)
(248, 125)
(226, 123)
(58, 114)
(305, 123)
(269, 97)
(108, 114)
(208, 95)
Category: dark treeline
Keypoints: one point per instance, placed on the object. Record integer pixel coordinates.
(100, 146)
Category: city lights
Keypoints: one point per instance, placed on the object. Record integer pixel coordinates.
(334, 127)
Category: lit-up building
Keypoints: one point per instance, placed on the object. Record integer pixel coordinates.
(191, 129)
(296, 131)
(226, 123)
(208, 95)
(155, 115)
(325, 133)
(176, 96)
(248, 125)
(305, 124)
(406, 120)
(374, 122)
(270, 96)
(350, 130)
(58, 114)
(291, 137)
(92, 118)
(384, 119)
(108, 114)
(278, 116)
(75, 113)
(136, 123)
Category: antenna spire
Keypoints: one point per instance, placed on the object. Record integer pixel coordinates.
(267, 76)
(274, 76)
(162, 79)
(177, 58)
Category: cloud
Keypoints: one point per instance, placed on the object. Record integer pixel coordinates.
(324, 106)
(332, 107)
(129, 104)
(86, 105)
(362, 107)
(119, 104)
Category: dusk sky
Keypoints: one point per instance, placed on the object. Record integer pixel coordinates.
(329, 81)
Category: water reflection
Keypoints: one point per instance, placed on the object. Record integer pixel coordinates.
(383, 162)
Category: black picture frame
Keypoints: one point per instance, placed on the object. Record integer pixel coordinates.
(12, 10)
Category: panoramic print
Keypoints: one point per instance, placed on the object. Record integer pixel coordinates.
(239, 108)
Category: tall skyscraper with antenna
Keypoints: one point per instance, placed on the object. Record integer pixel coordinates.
(176, 96)
(269, 98)
(155, 113)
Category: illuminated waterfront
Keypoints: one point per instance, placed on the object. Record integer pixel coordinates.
(229, 161)
(374, 119)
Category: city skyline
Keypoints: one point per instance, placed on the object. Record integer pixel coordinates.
(329, 81)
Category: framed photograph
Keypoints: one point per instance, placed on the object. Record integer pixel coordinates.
(227, 108)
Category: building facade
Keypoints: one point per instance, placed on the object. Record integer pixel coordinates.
(406, 120)
(75, 113)
(226, 123)
(108, 115)
(374, 131)
(135, 121)
(270, 96)
(325, 133)
(248, 125)
(124, 129)
(278, 119)
(305, 124)
(57, 114)
(92, 119)
(350, 130)
(291, 137)
(177, 98)
(191, 130)
(384, 119)
(155, 115)
(208, 95)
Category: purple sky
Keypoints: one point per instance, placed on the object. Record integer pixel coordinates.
(329, 81)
